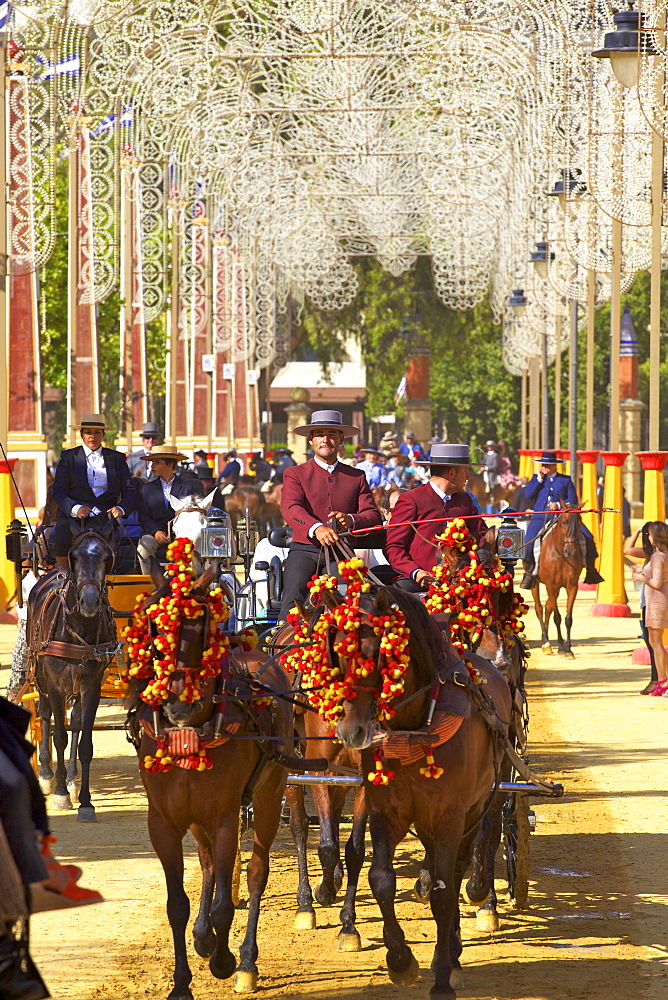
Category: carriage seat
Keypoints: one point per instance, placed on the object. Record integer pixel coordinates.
(281, 537)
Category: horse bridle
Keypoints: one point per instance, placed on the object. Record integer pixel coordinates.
(573, 539)
(111, 559)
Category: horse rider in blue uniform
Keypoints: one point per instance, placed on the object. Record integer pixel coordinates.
(546, 490)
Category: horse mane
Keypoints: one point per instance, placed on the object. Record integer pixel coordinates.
(426, 644)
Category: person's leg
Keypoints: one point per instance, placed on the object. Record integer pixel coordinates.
(660, 657)
(146, 549)
(17, 820)
(61, 541)
(591, 555)
(645, 635)
(528, 561)
(300, 566)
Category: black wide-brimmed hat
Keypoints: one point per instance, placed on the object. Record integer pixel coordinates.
(95, 420)
(549, 458)
(324, 420)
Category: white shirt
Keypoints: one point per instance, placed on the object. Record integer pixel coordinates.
(167, 490)
(439, 492)
(96, 471)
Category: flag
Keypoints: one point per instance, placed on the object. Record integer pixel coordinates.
(401, 391)
(109, 122)
(5, 15)
(70, 65)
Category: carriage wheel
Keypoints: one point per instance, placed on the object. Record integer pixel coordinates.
(516, 830)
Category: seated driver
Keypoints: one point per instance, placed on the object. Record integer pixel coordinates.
(411, 547)
(315, 494)
(155, 509)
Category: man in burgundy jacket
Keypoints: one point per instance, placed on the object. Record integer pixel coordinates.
(317, 494)
(411, 549)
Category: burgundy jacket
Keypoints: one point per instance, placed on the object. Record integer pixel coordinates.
(310, 494)
(406, 550)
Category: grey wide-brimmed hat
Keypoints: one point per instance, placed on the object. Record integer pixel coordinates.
(449, 454)
(150, 429)
(324, 419)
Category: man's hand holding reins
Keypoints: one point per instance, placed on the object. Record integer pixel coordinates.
(326, 535)
(116, 512)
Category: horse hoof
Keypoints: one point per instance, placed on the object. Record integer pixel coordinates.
(47, 785)
(487, 920)
(86, 814)
(205, 945)
(305, 921)
(323, 897)
(457, 979)
(223, 967)
(569, 653)
(417, 892)
(61, 802)
(349, 942)
(179, 993)
(547, 649)
(73, 790)
(408, 976)
(473, 902)
(245, 982)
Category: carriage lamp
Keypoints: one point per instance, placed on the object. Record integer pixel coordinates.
(16, 532)
(624, 45)
(541, 258)
(248, 535)
(216, 537)
(509, 537)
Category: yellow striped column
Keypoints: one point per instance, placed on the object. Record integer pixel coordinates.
(653, 464)
(611, 595)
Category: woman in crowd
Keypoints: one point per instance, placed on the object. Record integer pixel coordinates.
(638, 546)
(654, 575)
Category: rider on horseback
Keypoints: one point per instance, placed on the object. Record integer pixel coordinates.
(546, 490)
(91, 482)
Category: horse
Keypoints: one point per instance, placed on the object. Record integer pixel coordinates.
(71, 638)
(446, 814)
(267, 515)
(208, 802)
(329, 801)
(559, 567)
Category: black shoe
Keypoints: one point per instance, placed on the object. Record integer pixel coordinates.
(592, 575)
(528, 581)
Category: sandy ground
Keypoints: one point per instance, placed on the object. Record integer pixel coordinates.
(596, 926)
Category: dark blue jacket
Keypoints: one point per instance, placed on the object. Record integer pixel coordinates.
(70, 485)
(154, 515)
(552, 490)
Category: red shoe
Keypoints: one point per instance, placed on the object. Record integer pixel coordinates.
(43, 898)
(660, 689)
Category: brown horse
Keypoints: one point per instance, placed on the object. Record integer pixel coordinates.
(329, 801)
(559, 567)
(208, 803)
(241, 498)
(446, 813)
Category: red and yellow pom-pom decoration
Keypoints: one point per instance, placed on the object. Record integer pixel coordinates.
(379, 776)
(469, 596)
(161, 761)
(329, 684)
(155, 658)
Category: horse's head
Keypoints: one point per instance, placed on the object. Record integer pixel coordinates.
(190, 517)
(191, 641)
(367, 672)
(493, 648)
(570, 522)
(91, 558)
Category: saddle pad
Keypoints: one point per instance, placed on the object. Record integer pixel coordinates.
(397, 745)
(183, 742)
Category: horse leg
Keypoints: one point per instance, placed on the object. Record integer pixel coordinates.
(90, 699)
(422, 887)
(402, 966)
(328, 848)
(204, 938)
(557, 622)
(46, 777)
(444, 899)
(572, 594)
(477, 889)
(349, 939)
(222, 962)
(305, 916)
(75, 732)
(487, 917)
(61, 797)
(167, 844)
(267, 816)
(545, 642)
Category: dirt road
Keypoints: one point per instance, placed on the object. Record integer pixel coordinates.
(596, 927)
